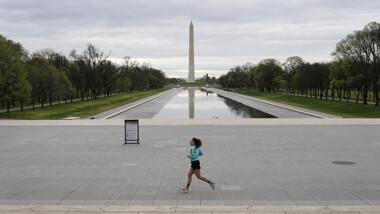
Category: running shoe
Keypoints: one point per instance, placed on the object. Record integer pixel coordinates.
(212, 184)
(184, 189)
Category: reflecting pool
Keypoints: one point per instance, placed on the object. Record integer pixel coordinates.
(195, 103)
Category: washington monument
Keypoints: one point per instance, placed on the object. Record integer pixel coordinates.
(191, 77)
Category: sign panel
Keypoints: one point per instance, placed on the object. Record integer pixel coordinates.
(131, 130)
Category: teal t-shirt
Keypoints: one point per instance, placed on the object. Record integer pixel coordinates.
(194, 153)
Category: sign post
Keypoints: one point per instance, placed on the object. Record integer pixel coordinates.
(131, 131)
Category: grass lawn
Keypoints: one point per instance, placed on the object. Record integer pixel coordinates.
(344, 109)
(82, 109)
(192, 84)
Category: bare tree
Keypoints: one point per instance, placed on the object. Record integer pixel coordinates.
(93, 64)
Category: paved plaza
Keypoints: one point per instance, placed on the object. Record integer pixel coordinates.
(255, 164)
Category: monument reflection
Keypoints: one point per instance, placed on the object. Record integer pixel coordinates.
(191, 103)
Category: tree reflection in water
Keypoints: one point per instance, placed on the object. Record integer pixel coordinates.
(245, 111)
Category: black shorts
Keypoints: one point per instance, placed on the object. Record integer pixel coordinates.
(196, 165)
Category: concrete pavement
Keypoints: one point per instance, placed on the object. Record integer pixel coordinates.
(192, 209)
(290, 163)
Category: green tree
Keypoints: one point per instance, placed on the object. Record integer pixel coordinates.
(130, 69)
(372, 41)
(76, 75)
(157, 79)
(361, 49)
(63, 88)
(266, 73)
(37, 79)
(238, 77)
(13, 82)
(111, 74)
(93, 64)
(223, 80)
(338, 77)
(301, 79)
(291, 66)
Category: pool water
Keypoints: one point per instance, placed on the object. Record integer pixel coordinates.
(195, 103)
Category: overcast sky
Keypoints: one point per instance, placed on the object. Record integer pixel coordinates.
(226, 33)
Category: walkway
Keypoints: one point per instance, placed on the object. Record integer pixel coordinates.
(147, 107)
(277, 109)
(192, 209)
(280, 162)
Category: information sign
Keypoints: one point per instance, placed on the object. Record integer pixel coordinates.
(131, 131)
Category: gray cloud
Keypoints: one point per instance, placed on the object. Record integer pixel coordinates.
(227, 33)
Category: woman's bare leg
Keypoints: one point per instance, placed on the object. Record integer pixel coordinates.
(191, 172)
(199, 176)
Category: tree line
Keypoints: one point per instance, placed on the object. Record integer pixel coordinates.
(47, 76)
(353, 73)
